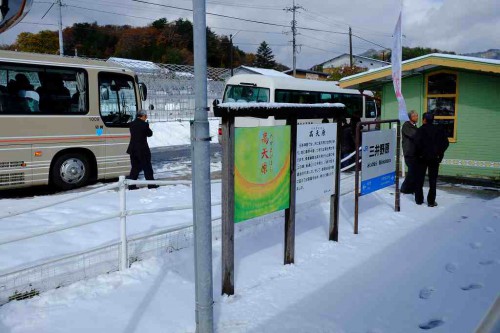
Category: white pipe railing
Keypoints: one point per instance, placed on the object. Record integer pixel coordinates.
(122, 185)
(77, 196)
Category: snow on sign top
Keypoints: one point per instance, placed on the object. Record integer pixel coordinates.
(236, 105)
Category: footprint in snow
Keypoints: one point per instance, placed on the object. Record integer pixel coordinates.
(472, 286)
(475, 245)
(464, 217)
(451, 267)
(433, 323)
(488, 262)
(489, 230)
(426, 293)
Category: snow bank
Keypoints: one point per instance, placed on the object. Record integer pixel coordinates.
(176, 133)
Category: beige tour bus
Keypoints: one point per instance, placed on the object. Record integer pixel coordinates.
(64, 121)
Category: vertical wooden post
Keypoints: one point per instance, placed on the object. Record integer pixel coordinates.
(356, 185)
(289, 252)
(334, 199)
(397, 207)
(228, 204)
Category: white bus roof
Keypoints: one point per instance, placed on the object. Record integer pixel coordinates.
(291, 83)
(55, 60)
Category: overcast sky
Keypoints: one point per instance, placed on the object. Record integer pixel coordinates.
(462, 26)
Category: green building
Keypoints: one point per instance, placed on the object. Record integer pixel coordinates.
(463, 93)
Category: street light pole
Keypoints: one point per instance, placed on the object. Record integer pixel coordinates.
(200, 151)
(231, 51)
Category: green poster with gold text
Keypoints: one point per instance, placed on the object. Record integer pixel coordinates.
(261, 171)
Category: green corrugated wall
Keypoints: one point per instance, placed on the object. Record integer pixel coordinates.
(478, 120)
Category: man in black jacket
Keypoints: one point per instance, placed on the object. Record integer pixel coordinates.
(430, 143)
(138, 149)
(408, 131)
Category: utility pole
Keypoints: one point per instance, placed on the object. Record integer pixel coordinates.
(350, 45)
(60, 4)
(200, 155)
(61, 49)
(294, 9)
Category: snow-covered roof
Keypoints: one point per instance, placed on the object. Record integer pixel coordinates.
(137, 65)
(355, 57)
(265, 71)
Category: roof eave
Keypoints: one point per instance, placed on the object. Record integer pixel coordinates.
(433, 60)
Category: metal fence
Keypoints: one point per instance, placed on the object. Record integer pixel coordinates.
(171, 88)
(29, 281)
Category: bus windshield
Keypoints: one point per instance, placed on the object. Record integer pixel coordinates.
(245, 94)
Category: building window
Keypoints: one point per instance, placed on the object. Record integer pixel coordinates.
(441, 96)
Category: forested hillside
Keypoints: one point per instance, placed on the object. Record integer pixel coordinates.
(161, 41)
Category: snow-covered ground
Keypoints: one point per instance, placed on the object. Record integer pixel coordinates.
(422, 268)
(404, 272)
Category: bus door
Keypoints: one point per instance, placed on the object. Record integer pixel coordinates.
(118, 107)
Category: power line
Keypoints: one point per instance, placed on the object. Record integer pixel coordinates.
(108, 12)
(39, 23)
(333, 43)
(213, 14)
(368, 41)
(260, 43)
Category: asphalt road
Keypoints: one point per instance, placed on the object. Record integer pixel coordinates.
(162, 155)
(161, 158)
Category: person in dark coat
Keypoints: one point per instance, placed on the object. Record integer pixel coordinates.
(408, 132)
(138, 149)
(348, 145)
(430, 144)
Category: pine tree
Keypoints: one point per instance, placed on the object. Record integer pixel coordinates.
(265, 57)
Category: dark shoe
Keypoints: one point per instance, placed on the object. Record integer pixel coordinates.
(432, 204)
(419, 203)
(132, 187)
(153, 186)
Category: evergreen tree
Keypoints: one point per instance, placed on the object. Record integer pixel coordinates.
(264, 57)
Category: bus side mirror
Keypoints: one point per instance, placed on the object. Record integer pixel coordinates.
(143, 90)
(216, 102)
(104, 93)
(12, 12)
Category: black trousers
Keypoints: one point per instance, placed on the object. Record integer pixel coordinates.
(141, 162)
(433, 169)
(408, 185)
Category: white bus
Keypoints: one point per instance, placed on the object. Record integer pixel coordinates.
(246, 88)
(64, 121)
(276, 89)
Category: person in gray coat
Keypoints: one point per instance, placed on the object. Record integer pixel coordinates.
(408, 132)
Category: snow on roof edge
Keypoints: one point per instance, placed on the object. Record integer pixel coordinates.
(236, 105)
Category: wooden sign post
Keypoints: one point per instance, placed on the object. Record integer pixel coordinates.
(291, 114)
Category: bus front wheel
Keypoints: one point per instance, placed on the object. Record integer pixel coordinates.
(70, 171)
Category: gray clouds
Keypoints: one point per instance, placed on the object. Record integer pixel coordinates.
(452, 25)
